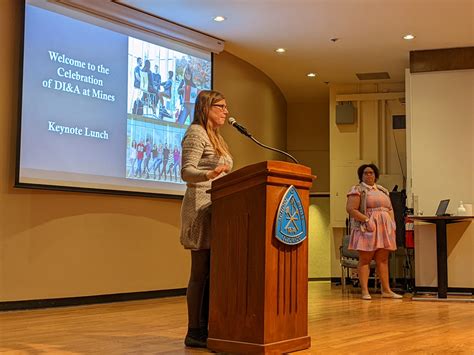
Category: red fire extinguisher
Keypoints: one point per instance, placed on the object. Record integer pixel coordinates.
(409, 233)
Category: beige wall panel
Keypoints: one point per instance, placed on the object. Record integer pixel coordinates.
(81, 251)
(318, 161)
(256, 103)
(308, 126)
(319, 238)
(396, 140)
(308, 139)
(461, 267)
(369, 126)
(344, 141)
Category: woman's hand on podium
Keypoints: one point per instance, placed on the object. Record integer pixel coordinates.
(212, 174)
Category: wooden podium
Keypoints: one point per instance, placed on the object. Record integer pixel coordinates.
(258, 285)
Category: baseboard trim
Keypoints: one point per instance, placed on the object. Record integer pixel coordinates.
(320, 279)
(87, 300)
(135, 296)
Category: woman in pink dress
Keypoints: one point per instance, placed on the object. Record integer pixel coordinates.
(373, 228)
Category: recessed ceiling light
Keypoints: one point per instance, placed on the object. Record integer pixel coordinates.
(219, 18)
(311, 75)
(280, 50)
(409, 37)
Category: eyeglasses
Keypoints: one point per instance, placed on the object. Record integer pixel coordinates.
(221, 106)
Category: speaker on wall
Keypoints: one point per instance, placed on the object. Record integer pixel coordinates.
(345, 113)
(398, 122)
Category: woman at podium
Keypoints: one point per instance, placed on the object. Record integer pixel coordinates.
(205, 157)
(372, 228)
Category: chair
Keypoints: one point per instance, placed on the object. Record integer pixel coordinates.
(349, 259)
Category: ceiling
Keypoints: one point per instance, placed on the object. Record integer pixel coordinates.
(370, 35)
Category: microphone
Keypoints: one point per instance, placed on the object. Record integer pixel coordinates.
(244, 131)
(240, 128)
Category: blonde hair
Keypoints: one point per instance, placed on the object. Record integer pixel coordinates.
(204, 102)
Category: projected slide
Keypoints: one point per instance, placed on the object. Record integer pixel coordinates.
(101, 109)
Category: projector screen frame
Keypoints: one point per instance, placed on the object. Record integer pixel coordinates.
(66, 188)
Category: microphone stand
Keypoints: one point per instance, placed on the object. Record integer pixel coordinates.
(246, 133)
(271, 148)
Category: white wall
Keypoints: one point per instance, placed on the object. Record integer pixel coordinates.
(441, 165)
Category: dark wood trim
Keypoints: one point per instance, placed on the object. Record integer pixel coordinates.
(421, 289)
(135, 296)
(441, 59)
(320, 279)
(86, 300)
(319, 194)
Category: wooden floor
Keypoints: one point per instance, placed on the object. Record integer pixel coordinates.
(338, 324)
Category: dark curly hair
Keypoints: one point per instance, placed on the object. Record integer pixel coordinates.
(360, 171)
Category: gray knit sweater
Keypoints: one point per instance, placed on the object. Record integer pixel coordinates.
(198, 157)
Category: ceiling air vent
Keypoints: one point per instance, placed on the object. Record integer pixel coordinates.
(373, 76)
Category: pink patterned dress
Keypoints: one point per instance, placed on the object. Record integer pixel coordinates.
(380, 229)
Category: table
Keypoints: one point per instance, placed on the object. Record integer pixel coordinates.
(441, 247)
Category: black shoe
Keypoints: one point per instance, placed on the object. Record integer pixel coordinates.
(164, 113)
(195, 342)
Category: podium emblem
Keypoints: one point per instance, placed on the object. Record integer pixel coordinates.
(290, 225)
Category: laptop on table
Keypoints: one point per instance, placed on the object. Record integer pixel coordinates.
(442, 207)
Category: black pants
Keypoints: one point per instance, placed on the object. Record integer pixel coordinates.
(197, 294)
